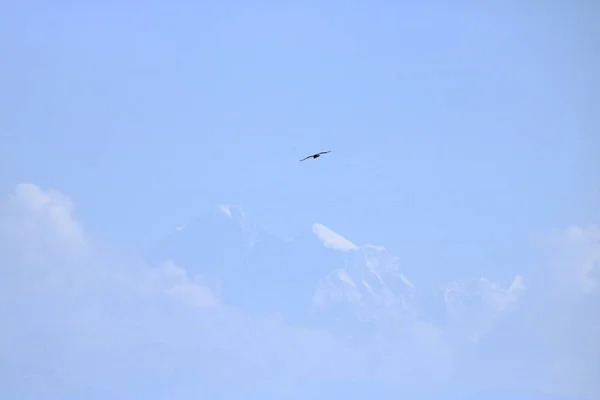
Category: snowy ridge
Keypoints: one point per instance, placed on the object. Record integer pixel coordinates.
(369, 285)
(330, 275)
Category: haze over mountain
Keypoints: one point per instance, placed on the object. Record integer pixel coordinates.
(323, 280)
(317, 274)
(221, 300)
(447, 248)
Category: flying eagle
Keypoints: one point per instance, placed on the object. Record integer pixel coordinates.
(315, 155)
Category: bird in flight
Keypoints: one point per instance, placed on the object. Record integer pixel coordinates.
(315, 155)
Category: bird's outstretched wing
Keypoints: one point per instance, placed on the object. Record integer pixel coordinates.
(316, 155)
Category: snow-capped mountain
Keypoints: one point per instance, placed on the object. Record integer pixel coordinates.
(368, 285)
(319, 275)
(473, 306)
(252, 267)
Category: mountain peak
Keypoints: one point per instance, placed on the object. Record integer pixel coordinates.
(331, 239)
(353, 283)
(232, 211)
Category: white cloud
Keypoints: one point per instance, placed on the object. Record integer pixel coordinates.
(99, 320)
(38, 224)
(174, 281)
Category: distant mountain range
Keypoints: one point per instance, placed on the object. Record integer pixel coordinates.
(320, 277)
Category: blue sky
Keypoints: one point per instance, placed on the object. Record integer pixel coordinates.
(460, 134)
